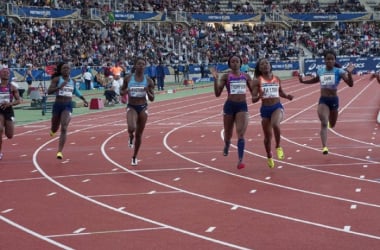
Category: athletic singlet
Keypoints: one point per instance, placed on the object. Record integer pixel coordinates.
(330, 79)
(270, 88)
(67, 90)
(5, 93)
(137, 89)
(236, 85)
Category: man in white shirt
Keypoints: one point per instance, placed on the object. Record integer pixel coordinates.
(113, 92)
(87, 76)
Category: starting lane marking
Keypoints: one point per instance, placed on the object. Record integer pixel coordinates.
(79, 230)
(7, 210)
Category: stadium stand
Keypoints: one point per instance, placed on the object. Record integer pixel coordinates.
(195, 32)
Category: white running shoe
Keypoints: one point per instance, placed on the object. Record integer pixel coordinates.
(134, 161)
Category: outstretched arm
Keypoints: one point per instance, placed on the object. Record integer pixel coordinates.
(347, 77)
(309, 81)
(218, 83)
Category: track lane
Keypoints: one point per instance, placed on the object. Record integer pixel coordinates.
(155, 170)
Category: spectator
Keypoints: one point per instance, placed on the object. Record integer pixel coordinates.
(112, 93)
(152, 72)
(29, 78)
(160, 76)
(87, 77)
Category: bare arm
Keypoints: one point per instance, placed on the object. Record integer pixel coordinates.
(124, 87)
(347, 77)
(309, 81)
(256, 96)
(54, 85)
(218, 83)
(282, 93)
(150, 89)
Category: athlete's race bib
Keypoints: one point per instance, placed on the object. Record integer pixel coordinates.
(66, 91)
(4, 97)
(327, 80)
(137, 92)
(270, 90)
(238, 87)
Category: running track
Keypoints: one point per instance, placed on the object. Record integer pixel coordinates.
(184, 194)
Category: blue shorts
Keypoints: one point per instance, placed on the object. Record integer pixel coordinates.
(138, 108)
(331, 101)
(232, 108)
(267, 111)
(59, 107)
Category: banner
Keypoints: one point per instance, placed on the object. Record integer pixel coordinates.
(328, 17)
(226, 17)
(363, 65)
(45, 13)
(138, 16)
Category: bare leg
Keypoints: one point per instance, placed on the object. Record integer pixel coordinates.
(65, 120)
(228, 123)
(323, 114)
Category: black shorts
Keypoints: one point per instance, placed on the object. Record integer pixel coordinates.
(232, 108)
(331, 101)
(8, 113)
(138, 108)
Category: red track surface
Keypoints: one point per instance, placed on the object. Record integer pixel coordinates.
(184, 194)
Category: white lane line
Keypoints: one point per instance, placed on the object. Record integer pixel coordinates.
(107, 232)
(35, 234)
(51, 194)
(101, 204)
(180, 230)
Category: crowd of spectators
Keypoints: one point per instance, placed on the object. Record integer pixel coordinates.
(85, 43)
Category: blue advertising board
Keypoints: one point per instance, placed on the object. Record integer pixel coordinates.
(362, 64)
